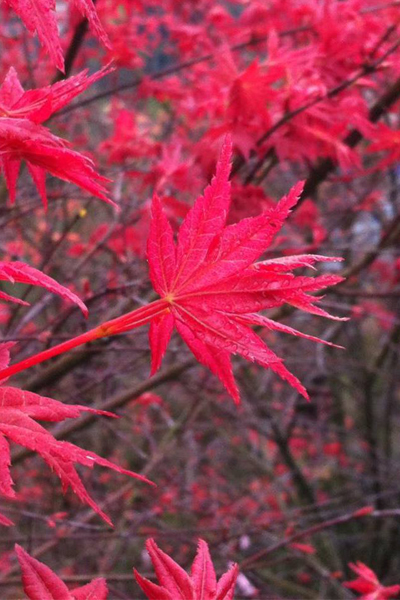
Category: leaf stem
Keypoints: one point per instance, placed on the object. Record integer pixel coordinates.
(126, 322)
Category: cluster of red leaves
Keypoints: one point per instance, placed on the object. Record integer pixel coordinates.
(23, 137)
(41, 583)
(252, 96)
(18, 401)
(296, 41)
(20, 411)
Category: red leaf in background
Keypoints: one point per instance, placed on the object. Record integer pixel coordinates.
(23, 138)
(4, 521)
(21, 273)
(306, 548)
(176, 583)
(365, 510)
(385, 139)
(18, 414)
(39, 17)
(41, 583)
(368, 584)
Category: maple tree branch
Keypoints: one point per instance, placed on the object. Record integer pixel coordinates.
(72, 52)
(391, 29)
(305, 491)
(362, 294)
(358, 514)
(73, 49)
(389, 236)
(54, 372)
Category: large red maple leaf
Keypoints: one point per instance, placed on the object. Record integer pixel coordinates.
(211, 286)
(22, 137)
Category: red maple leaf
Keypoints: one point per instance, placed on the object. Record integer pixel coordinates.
(385, 139)
(368, 584)
(212, 288)
(39, 16)
(22, 137)
(176, 583)
(41, 583)
(19, 413)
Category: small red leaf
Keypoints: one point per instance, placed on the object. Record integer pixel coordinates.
(22, 273)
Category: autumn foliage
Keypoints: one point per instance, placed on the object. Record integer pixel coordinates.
(229, 172)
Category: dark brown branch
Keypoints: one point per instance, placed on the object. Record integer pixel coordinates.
(73, 49)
